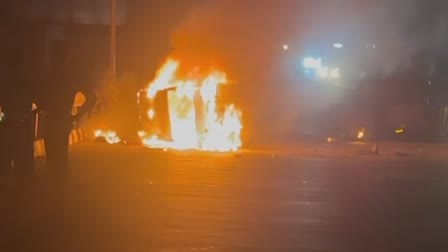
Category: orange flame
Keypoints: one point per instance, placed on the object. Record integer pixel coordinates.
(151, 113)
(2, 115)
(216, 132)
(361, 134)
(111, 137)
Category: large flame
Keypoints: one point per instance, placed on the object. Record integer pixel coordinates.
(193, 126)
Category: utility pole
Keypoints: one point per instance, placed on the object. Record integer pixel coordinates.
(113, 39)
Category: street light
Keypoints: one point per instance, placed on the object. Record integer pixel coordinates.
(338, 45)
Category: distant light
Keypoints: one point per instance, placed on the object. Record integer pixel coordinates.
(399, 131)
(327, 73)
(323, 72)
(312, 63)
(315, 67)
(334, 73)
(338, 45)
(361, 134)
(330, 139)
(285, 47)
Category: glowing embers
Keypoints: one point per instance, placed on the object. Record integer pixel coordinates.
(108, 136)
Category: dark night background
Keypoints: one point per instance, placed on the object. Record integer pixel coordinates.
(297, 190)
(394, 56)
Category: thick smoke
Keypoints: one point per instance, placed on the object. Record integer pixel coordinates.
(245, 39)
(410, 29)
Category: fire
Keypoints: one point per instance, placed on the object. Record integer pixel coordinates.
(111, 137)
(361, 134)
(151, 113)
(2, 115)
(194, 113)
(399, 131)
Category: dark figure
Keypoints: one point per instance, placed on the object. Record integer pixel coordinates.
(66, 78)
(17, 93)
(16, 96)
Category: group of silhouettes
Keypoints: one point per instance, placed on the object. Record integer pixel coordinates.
(50, 80)
(47, 72)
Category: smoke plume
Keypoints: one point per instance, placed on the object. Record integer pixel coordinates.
(245, 39)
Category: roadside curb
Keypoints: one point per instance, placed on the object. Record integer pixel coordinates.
(76, 136)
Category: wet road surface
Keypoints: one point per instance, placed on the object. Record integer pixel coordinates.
(125, 198)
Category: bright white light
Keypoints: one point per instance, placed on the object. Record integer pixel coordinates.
(328, 73)
(338, 45)
(312, 63)
(334, 73)
(285, 47)
(323, 72)
(315, 66)
(151, 114)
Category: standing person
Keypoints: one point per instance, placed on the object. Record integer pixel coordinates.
(18, 58)
(65, 80)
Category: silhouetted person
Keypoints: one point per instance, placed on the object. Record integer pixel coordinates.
(16, 95)
(17, 126)
(16, 92)
(67, 77)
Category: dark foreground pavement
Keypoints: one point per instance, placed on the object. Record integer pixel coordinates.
(125, 198)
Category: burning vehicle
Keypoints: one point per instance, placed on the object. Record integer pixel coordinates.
(185, 113)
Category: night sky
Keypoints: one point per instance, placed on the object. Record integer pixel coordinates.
(245, 38)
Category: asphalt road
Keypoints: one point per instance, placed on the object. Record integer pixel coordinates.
(125, 198)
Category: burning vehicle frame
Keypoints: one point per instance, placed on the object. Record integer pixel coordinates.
(185, 113)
